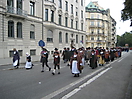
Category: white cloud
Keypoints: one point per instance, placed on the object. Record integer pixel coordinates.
(115, 7)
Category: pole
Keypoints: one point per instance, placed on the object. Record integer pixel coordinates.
(42, 20)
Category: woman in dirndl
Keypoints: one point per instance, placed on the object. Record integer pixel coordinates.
(76, 63)
(16, 58)
(28, 61)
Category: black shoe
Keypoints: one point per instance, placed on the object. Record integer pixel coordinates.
(42, 71)
(49, 68)
(58, 72)
(53, 73)
(75, 75)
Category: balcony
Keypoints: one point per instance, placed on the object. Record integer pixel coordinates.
(101, 41)
(16, 12)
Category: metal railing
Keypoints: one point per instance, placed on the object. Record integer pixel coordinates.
(17, 11)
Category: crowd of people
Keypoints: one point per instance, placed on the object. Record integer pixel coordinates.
(76, 59)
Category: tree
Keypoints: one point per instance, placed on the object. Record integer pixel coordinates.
(126, 13)
(124, 39)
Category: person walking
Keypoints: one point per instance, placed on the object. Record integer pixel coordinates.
(101, 58)
(44, 59)
(28, 61)
(93, 60)
(107, 55)
(16, 58)
(56, 63)
(76, 63)
(64, 55)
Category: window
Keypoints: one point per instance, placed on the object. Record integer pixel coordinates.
(81, 14)
(98, 38)
(52, 16)
(60, 37)
(92, 23)
(92, 38)
(19, 30)
(10, 3)
(66, 21)
(76, 24)
(52, 1)
(32, 10)
(76, 38)
(32, 31)
(98, 31)
(82, 26)
(98, 23)
(60, 4)
(66, 5)
(59, 19)
(92, 44)
(66, 37)
(82, 39)
(76, 14)
(20, 52)
(71, 23)
(33, 52)
(11, 53)
(71, 9)
(92, 16)
(76, 11)
(50, 36)
(10, 29)
(81, 2)
(46, 14)
(19, 7)
(92, 31)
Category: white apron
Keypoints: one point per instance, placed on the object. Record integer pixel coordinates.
(15, 63)
(74, 67)
(28, 65)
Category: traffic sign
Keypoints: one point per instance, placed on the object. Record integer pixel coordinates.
(41, 43)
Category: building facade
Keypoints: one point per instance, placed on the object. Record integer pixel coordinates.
(100, 27)
(23, 23)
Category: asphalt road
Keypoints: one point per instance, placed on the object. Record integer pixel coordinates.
(108, 82)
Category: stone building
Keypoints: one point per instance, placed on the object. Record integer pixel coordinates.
(23, 23)
(100, 26)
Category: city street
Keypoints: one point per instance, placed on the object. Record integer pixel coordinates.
(105, 82)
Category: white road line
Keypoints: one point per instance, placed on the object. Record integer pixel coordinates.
(71, 85)
(85, 84)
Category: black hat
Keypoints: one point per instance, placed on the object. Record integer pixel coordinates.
(56, 49)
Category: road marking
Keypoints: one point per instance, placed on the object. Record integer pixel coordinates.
(85, 84)
(73, 84)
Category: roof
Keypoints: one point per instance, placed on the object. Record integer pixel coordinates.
(94, 5)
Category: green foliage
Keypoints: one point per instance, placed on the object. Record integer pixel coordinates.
(126, 13)
(126, 38)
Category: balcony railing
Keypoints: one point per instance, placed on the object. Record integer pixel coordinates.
(17, 11)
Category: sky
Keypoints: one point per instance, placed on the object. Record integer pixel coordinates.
(115, 7)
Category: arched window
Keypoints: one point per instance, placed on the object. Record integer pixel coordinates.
(32, 31)
(60, 37)
(10, 29)
(66, 37)
(50, 36)
(19, 30)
